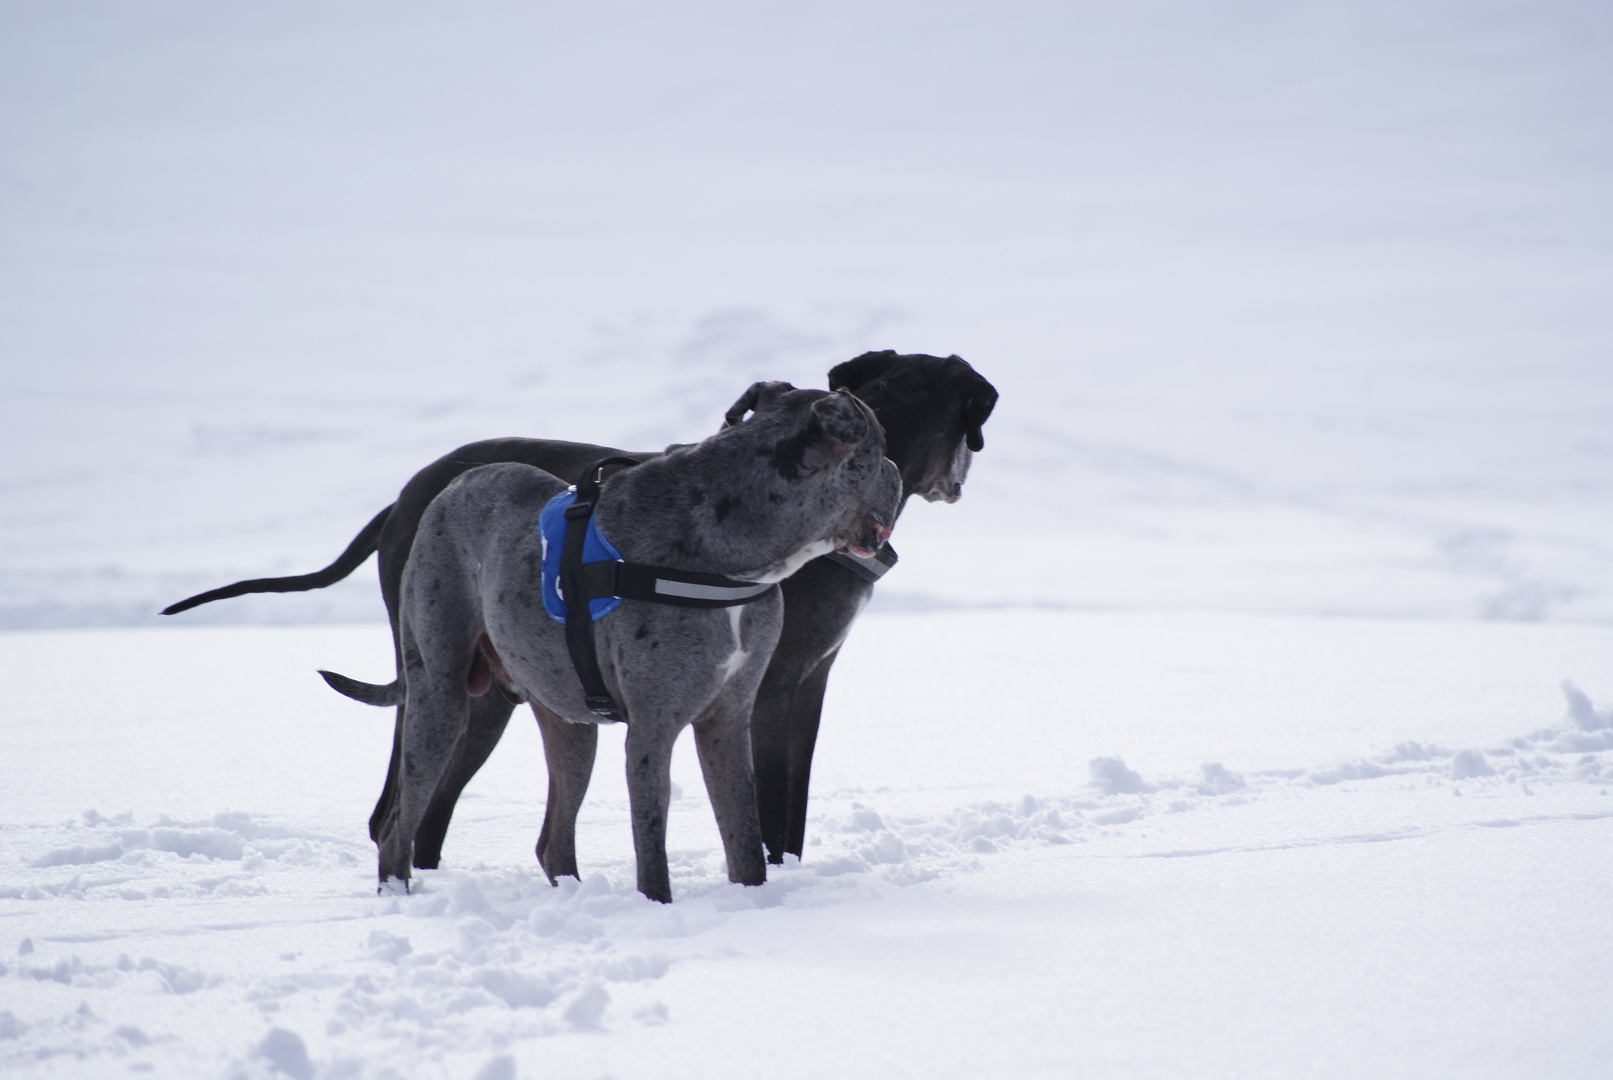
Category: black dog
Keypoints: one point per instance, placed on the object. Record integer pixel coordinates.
(932, 410)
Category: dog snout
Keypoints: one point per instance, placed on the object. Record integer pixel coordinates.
(869, 534)
(872, 525)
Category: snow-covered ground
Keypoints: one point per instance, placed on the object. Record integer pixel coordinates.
(1043, 844)
(1220, 730)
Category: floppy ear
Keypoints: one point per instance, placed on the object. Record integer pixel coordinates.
(838, 419)
(862, 370)
(758, 397)
(977, 408)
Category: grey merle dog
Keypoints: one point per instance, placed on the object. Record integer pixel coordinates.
(932, 410)
(806, 475)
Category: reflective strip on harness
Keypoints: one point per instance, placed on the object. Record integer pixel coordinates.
(727, 594)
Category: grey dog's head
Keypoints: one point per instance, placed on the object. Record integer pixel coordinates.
(828, 447)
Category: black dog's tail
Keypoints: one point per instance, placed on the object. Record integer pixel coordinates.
(362, 547)
(368, 693)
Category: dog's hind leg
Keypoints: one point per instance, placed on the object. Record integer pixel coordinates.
(432, 719)
(389, 789)
(806, 710)
(722, 739)
(569, 749)
(489, 715)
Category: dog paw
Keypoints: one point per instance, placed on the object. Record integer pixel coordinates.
(393, 886)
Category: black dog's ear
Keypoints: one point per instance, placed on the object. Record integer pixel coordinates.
(862, 370)
(758, 397)
(977, 406)
(839, 420)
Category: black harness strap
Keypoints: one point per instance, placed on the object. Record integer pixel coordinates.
(582, 582)
(574, 587)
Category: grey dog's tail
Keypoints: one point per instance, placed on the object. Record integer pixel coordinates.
(368, 693)
(362, 547)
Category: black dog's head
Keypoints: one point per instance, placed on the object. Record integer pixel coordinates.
(932, 410)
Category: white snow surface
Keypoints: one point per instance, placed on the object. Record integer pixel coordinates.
(1042, 844)
(1251, 715)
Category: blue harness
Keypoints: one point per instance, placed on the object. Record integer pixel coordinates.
(595, 549)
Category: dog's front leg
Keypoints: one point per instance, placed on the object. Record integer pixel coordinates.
(722, 739)
(649, 790)
(806, 710)
(569, 750)
(770, 754)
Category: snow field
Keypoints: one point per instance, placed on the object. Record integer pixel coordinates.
(1409, 882)
(1298, 311)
